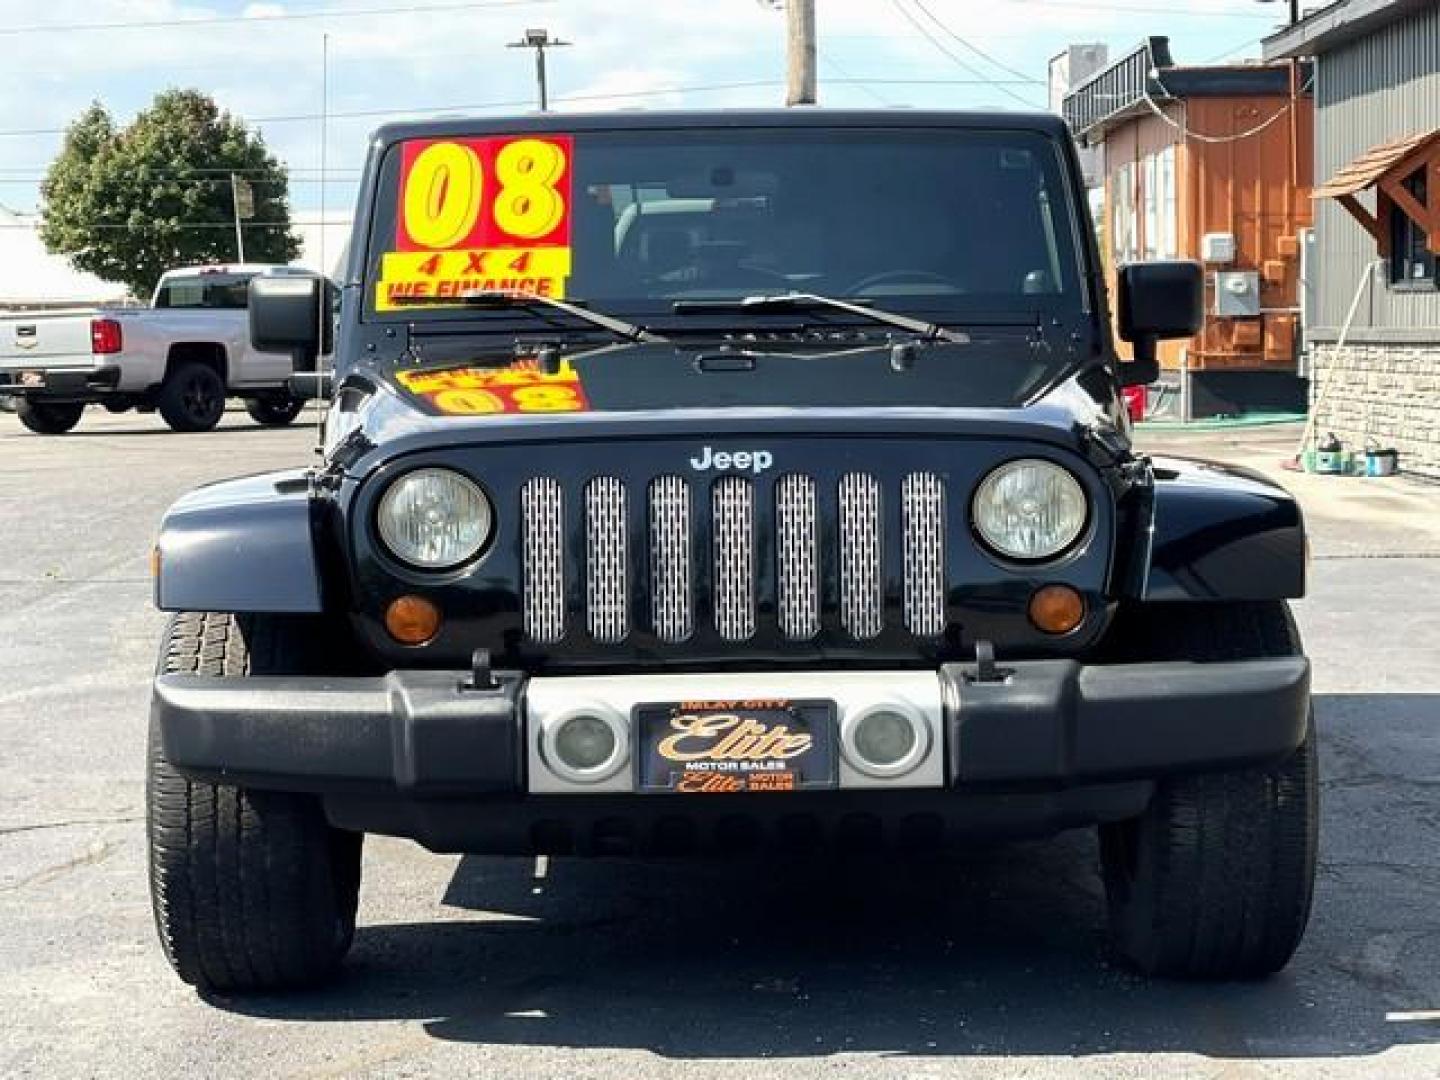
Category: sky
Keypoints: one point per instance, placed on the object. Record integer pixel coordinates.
(388, 59)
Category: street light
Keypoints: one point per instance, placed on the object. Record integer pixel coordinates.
(539, 39)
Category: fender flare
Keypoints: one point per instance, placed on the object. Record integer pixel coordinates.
(241, 545)
(1219, 532)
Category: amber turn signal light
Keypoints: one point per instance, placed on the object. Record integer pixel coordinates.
(1057, 609)
(412, 620)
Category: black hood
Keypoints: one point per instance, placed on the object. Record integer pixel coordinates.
(467, 393)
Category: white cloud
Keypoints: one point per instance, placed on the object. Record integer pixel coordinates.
(670, 51)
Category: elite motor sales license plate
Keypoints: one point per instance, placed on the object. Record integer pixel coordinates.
(724, 747)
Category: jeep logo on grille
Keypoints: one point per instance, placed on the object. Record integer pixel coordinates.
(756, 461)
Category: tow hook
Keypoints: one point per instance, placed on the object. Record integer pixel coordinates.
(481, 677)
(986, 670)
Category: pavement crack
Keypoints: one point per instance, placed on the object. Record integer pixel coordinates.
(9, 830)
(93, 854)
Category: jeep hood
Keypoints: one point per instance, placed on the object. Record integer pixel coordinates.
(1009, 387)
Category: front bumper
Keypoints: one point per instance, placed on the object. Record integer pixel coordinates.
(421, 754)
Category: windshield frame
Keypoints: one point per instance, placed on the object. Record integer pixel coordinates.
(1077, 301)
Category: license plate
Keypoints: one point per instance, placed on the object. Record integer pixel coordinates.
(35, 379)
(718, 747)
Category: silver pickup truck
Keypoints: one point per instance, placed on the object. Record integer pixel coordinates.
(182, 356)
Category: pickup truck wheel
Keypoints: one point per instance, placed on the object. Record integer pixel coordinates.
(192, 397)
(1214, 880)
(251, 889)
(49, 417)
(273, 411)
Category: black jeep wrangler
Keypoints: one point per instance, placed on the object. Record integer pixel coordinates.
(699, 482)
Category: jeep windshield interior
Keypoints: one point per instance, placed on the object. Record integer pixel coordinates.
(957, 223)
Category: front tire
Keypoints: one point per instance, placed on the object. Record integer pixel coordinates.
(192, 398)
(49, 417)
(273, 411)
(251, 889)
(1215, 879)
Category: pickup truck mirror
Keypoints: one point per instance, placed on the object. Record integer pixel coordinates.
(292, 313)
(1158, 301)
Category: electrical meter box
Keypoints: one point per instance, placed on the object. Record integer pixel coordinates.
(1237, 294)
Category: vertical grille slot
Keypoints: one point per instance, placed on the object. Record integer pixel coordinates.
(671, 610)
(733, 517)
(607, 607)
(922, 505)
(542, 516)
(862, 601)
(797, 557)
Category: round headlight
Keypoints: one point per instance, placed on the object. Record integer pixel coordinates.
(1029, 509)
(434, 519)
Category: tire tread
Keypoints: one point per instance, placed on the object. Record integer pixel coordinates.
(251, 889)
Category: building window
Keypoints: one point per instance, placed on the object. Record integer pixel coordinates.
(1412, 263)
(1150, 191)
(1167, 244)
(1122, 216)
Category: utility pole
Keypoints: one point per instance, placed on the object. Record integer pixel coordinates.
(242, 199)
(539, 40)
(800, 52)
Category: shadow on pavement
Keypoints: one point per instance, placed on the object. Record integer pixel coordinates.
(996, 951)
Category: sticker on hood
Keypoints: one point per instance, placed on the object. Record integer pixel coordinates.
(519, 388)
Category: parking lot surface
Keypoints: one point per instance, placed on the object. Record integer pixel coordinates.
(989, 963)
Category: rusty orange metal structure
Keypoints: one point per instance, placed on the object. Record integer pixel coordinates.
(1239, 140)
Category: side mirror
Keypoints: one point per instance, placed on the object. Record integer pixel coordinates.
(292, 313)
(1157, 301)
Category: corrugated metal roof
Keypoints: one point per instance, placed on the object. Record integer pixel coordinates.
(1367, 169)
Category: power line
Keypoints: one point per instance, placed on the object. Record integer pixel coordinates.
(829, 61)
(975, 48)
(285, 16)
(913, 21)
(436, 111)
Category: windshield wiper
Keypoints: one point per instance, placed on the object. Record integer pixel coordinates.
(789, 301)
(502, 300)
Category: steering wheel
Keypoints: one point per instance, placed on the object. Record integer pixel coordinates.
(917, 277)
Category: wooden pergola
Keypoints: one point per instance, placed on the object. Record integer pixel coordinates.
(1386, 168)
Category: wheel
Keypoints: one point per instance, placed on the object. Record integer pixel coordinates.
(251, 889)
(192, 397)
(273, 411)
(49, 417)
(1214, 880)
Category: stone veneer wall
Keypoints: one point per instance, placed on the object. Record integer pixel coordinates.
(1387, 392)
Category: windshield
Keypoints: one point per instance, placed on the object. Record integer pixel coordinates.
(965, 223)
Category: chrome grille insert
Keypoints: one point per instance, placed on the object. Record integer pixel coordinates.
(542, 517)
(607, 593)
(922, 505)
(797, 557)
(670, 530)
(733, 520)
(862, 601)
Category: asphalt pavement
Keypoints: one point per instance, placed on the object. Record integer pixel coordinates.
(989, 963)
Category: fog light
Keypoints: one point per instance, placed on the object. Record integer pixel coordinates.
(885, 741)
(584, 746)
(412, 620)
(1057, 609)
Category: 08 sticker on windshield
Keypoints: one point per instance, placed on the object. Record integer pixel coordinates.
(519, 388)
(479, 215)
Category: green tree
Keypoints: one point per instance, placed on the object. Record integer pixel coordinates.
(128, 204)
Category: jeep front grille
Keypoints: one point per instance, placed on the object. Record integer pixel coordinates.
(724, 556)
(797, 557)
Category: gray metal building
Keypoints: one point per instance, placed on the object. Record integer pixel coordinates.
(1377, 97)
